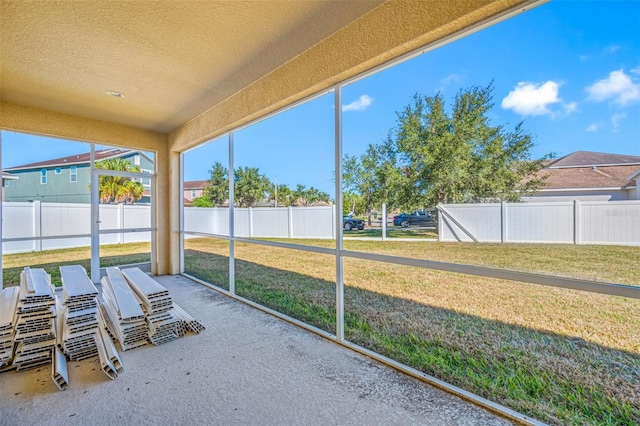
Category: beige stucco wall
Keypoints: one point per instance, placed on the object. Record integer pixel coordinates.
(391, 30)
(37, 121)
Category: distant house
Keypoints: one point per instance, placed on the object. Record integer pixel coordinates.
(67, 179)
(193, 189)
(595, 176)
(6, 177)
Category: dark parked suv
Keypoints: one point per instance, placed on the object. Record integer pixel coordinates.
(417, 218)
(349, 223)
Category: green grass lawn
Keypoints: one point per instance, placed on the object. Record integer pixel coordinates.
(561, 356)
(51, 260)
(394, 232)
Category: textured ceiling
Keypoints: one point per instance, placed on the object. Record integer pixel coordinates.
(192, 70)
(171, 59)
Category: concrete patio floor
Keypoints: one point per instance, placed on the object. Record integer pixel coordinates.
(247, 367)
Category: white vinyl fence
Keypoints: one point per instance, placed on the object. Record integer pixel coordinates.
(47, 220)
(30, 221)
(593, 222)
(577, 222)
(263, 222)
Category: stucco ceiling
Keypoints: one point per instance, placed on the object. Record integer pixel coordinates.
(171, 59)
(190, 70)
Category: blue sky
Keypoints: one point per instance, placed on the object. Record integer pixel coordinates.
(569, 69)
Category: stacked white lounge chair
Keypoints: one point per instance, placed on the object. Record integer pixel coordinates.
(35, 334)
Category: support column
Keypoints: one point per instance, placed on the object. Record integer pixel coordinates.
(167, 211)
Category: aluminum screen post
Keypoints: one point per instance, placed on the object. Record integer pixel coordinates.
(95, 219)
(338, 213)
(181, 189)
(1, 220)
(232, 266)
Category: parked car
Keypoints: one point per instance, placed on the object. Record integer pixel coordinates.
(349, 223)
(417, 217)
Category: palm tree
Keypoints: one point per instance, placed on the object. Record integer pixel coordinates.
(117, 189)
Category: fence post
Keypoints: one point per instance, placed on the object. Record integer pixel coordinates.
(384, 222)
(37, 223)
(120, 222)
(334, 215)
(503, 222)
(440, 226)
(577, 222)
(290, 221)
(250, 213)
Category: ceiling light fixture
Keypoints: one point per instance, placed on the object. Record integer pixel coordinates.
(115, 94)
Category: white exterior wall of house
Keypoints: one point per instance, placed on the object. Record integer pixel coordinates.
(191, 194)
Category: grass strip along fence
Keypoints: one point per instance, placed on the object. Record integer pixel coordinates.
(561, 356)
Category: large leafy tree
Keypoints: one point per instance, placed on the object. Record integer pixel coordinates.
(217, 191)
(374, 177)
(308, 196)
(250, 186)
(436, 155)
(285, 195)
(117, 189)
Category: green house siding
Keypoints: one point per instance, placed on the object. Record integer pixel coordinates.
(58, 187)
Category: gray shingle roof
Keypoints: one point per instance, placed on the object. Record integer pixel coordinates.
(195, 184)
(589, 158)
(589, 177)
(74, 159)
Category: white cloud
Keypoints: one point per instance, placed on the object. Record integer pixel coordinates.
(592, 127)
(611, 49)
(618, 86)
(361, 104)
(616, 119)
(636, 70)
(532, 98)
(451, 78)
(570, 107)
(448, 81)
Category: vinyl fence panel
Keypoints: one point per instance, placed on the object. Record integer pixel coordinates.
(18, 221)
(540, 223)
(270, 222)
(482, 221)
(134, 216)
(64, 219)
(263, 222)
(110, 219)
(603, 222)
(313, 222)
(577, 222)
(36, 219)
(212, 220)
